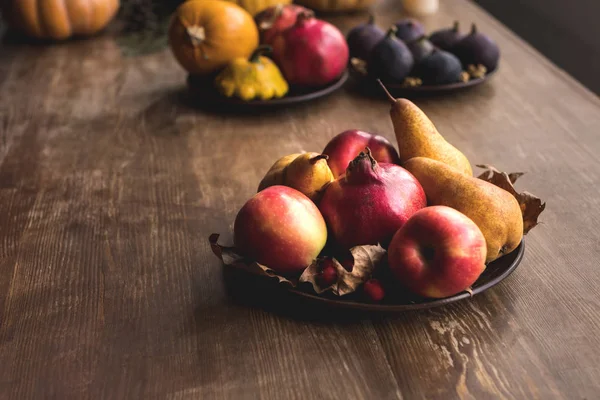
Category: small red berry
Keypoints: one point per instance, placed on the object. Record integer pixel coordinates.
(374, 290)
(328, 275)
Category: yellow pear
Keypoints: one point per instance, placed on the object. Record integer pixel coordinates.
(493, 209)
(307, 172)
(275, 174)
(418, 137)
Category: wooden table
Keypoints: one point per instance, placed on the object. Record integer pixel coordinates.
(110, 184)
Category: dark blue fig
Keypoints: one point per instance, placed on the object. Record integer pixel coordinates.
(362, 38)
(390, 60)
(409, 29)
(446, 38)
(420, 48)
(477, 48)
(440, 67)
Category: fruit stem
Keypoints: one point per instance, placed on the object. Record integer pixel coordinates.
(368, 153)
(456, 26)
(303, 16)
(268, 23)
(197, 34)
(473, 29)
(389, 95)
(260, 50)
(420, 39)
(319, 157)
(392, 31)
(371, 19)
(358, 170)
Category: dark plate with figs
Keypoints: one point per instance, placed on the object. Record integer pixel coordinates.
(495, 273)
(203, 90)
(358, 72)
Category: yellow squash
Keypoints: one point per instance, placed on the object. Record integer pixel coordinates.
(252, 78)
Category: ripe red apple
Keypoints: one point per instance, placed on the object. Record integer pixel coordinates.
(281, 228)
(438, 252)
(344, 147)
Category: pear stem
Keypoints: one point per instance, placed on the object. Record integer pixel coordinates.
(473, 29)
(455, 27)
(371, 19)
(389, 95)
(319, 157)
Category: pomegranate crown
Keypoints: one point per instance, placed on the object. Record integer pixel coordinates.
(363, 163)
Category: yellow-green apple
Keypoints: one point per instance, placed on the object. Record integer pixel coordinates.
(438, 253)
(281, 228)
(345, 146)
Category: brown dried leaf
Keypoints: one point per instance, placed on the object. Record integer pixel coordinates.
(231, 258)
(366, 259)
(531, 205)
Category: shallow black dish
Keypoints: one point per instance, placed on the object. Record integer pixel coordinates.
(204, 91)
(495, 273)
(398, 90)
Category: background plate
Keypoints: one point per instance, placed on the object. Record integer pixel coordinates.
(398, 90)
(203, 90)
(495, 273)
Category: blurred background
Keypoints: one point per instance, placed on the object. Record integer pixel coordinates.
(568, 33)
(565, 32)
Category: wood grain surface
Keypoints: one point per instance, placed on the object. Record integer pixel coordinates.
(111, 181)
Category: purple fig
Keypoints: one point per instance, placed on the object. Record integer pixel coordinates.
(362, 38)
(390, 60)
(477, 48)
(409, 29)
(446, 38)
(420, 48)
(440, 67)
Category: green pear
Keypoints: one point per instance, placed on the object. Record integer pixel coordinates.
(493, 209)
(417, 136)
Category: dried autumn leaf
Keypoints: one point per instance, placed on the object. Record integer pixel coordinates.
(531, 205)
(366, 259)
(231, 258)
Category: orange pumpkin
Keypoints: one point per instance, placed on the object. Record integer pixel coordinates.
(58, 19)
(205, 35)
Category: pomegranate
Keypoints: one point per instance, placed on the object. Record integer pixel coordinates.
(370, 202)
(274, 20)
(312, 52)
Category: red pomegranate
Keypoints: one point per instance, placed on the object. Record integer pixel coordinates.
(370, 202)
(312, 52)
(274, 20)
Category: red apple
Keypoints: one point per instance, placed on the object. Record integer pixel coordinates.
(281, 228)
(344, 147)
(438, 252)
